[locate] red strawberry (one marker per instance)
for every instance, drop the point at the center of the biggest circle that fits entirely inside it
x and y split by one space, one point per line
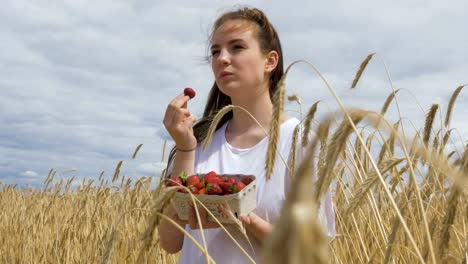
193 180
200 184
213 188
189 92
237 187
174 181
202 191
193 189
213 180
226 186
247 180
230 180
211 177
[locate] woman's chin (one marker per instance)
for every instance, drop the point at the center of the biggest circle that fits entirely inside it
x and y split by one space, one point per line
228 88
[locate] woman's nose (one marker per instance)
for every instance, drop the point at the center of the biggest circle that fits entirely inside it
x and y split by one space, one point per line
223 57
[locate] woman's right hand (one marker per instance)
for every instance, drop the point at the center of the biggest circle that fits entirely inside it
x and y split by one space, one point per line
179 122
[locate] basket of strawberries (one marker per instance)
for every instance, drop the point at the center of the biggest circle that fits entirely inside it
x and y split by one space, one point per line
227 196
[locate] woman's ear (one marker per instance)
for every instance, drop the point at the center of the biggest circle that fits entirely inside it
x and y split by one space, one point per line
271 61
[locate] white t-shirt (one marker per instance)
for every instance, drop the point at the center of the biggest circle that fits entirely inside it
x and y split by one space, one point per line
223 158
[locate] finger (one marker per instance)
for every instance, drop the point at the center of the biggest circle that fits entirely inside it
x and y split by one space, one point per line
251 219
179 116
180 101
192 218
203 218
205 222
245 219
254 219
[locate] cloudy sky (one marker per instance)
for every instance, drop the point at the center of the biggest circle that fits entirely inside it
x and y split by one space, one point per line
84 82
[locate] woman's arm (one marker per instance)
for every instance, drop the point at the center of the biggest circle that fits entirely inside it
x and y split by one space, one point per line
171 238
179 123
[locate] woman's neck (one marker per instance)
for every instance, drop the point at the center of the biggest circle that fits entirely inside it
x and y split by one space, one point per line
260 107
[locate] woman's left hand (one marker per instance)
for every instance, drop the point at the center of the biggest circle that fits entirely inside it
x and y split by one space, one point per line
257 226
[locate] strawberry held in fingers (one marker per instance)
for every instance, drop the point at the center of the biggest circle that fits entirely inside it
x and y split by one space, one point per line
189 92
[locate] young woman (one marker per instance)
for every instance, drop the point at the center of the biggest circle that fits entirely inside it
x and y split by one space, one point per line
247 63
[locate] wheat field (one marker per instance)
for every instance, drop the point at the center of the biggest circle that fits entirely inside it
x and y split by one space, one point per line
400 196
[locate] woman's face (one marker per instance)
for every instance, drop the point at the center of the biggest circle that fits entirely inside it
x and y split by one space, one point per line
239 66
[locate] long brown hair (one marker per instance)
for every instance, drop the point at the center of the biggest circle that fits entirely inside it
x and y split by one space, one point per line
269 41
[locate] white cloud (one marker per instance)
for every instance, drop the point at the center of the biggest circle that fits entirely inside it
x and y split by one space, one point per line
30 174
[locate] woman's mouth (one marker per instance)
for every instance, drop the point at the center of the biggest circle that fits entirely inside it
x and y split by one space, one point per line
225 75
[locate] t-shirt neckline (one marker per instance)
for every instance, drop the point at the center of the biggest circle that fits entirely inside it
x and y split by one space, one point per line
240 150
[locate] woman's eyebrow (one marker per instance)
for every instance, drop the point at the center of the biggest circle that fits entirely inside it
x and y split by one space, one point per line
214 46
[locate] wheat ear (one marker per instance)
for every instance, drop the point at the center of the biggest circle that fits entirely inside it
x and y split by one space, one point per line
453 98
217 118
308 123
369 182
292 153
278 107
428 123
136 151
117 171
337 144
361 69
388 101
297 226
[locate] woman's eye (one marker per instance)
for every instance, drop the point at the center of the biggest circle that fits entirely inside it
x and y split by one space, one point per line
214 52
238 47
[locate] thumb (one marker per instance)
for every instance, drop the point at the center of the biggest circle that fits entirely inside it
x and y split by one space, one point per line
247 219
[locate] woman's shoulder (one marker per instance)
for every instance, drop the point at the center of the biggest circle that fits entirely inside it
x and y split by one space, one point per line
289 123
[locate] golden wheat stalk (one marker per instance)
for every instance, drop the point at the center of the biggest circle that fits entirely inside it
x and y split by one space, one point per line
214 124
295 98
449 218
428 123
451 104
117 171
385 188
389 144
308 123
292 153
136 151
392 238
369 182
336 146
362 67
388 101
297 226
278 108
